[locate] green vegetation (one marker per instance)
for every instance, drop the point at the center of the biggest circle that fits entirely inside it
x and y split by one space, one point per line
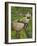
17 13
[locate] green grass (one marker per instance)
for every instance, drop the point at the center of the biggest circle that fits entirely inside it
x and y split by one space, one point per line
13 34
15 11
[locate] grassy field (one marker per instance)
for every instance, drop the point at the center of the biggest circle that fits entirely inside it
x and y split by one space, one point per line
18 13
